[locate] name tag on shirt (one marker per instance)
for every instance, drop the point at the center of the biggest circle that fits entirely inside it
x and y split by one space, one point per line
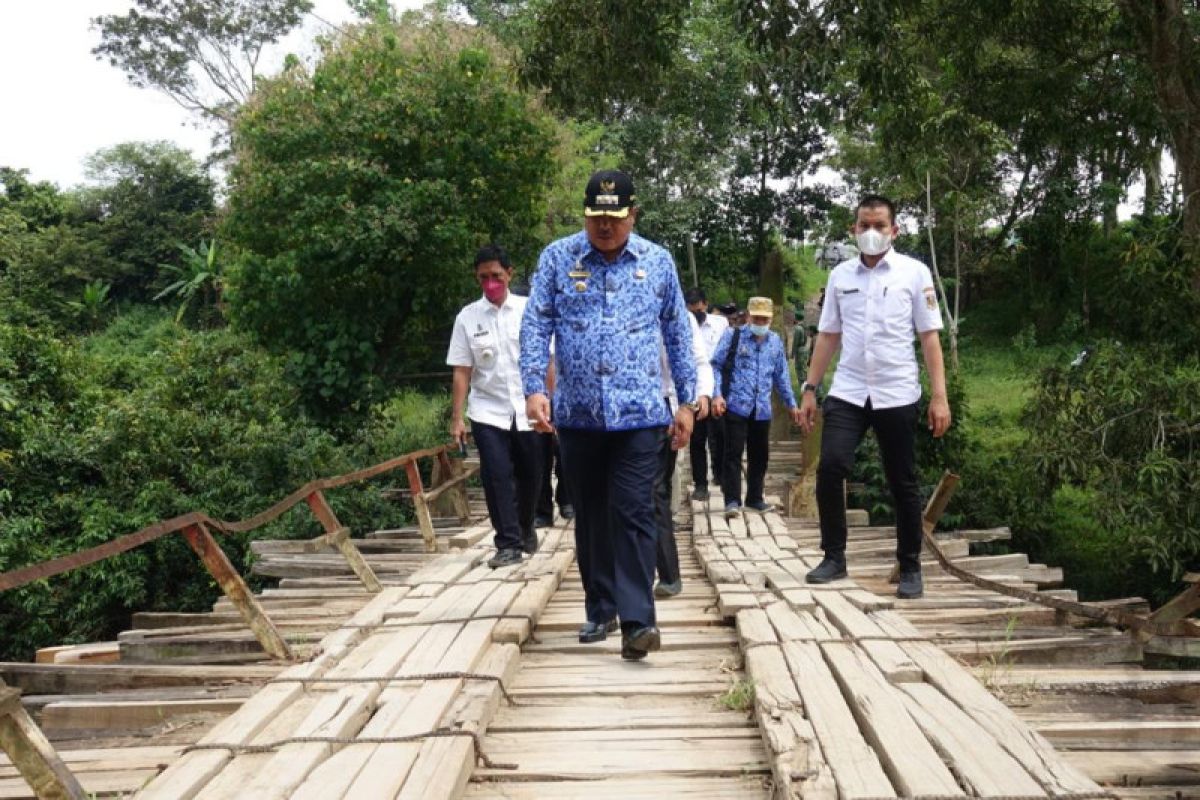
847 291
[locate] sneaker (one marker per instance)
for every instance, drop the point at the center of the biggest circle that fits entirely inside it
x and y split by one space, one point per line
761 506
664 589
505 558
911 587
700 493
733 510
567 512
830 569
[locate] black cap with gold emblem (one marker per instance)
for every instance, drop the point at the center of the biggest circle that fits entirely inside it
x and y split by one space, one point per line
609 193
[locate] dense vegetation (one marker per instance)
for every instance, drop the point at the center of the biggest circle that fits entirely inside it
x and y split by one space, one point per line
170 341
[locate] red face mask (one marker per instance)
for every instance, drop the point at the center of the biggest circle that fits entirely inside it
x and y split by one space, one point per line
494 290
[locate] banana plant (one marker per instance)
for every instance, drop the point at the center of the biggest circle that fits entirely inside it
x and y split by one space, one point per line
199 274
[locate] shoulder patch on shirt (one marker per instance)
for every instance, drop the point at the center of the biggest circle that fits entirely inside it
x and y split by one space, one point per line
930 297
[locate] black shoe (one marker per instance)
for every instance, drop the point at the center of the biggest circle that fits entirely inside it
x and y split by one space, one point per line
567 512
665 590
529 543
700 493
542 521
911 587
505 558
635 645
830 569
592 632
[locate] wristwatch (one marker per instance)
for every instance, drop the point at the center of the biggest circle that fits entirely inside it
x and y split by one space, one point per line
808 387
694 406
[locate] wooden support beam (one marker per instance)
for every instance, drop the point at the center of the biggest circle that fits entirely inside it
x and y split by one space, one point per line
339 537
933 512
424 520
458 497
235 589
32 754
1181 606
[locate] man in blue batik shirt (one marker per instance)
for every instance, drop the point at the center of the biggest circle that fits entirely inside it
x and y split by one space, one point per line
756 365
610 300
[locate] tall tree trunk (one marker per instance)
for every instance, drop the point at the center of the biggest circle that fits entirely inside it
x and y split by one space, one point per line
1152 172
1172 54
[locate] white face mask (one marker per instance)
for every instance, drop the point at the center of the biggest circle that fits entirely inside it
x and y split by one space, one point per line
873 243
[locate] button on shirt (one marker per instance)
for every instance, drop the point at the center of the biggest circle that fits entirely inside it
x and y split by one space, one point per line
876 311
711 331
608 321
758 365
486 338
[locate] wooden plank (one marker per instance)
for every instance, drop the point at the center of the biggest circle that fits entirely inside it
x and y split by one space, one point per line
190 773
985 768
1028 747
798 766
856 769
909 759
896 665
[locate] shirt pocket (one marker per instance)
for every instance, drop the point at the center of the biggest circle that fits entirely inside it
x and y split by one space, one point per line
898 306
484 350
852 304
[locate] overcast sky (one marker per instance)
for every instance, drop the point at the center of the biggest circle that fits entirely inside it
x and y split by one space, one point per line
58 103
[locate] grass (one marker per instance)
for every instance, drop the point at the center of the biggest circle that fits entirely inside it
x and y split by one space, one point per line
998 379
739 696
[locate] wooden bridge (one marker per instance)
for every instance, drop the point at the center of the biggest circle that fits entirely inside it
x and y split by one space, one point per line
446 679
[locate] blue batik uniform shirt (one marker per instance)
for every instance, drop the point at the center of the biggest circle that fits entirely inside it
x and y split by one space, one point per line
607 321
757 366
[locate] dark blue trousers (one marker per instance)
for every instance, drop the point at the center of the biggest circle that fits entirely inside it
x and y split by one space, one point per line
610 478
510 469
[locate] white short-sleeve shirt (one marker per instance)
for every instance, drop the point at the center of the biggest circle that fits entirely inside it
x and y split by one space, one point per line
704 371
877 311
487 339
711 331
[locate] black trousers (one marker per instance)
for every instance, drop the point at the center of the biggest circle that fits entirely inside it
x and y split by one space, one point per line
753 436
845 424
548 495
510 468
709 434
668 550
610 476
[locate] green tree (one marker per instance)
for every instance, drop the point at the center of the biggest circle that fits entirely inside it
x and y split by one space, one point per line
361 189
203 54
145 197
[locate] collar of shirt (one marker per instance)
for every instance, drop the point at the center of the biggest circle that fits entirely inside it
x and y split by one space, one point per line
882 262
634 248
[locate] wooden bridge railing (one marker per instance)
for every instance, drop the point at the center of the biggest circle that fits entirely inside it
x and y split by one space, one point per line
196 528
24 742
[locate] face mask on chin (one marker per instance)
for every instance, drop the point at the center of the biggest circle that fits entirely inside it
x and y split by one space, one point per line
494 290
700 317
873 243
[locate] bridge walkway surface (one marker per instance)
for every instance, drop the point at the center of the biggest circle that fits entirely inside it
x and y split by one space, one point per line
455 680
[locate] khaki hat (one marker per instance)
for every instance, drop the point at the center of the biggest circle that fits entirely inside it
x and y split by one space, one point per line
760 307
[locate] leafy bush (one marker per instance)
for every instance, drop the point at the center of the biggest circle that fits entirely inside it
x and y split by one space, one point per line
145 421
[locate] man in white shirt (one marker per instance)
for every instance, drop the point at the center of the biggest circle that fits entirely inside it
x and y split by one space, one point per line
709 433
873 305
484 352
